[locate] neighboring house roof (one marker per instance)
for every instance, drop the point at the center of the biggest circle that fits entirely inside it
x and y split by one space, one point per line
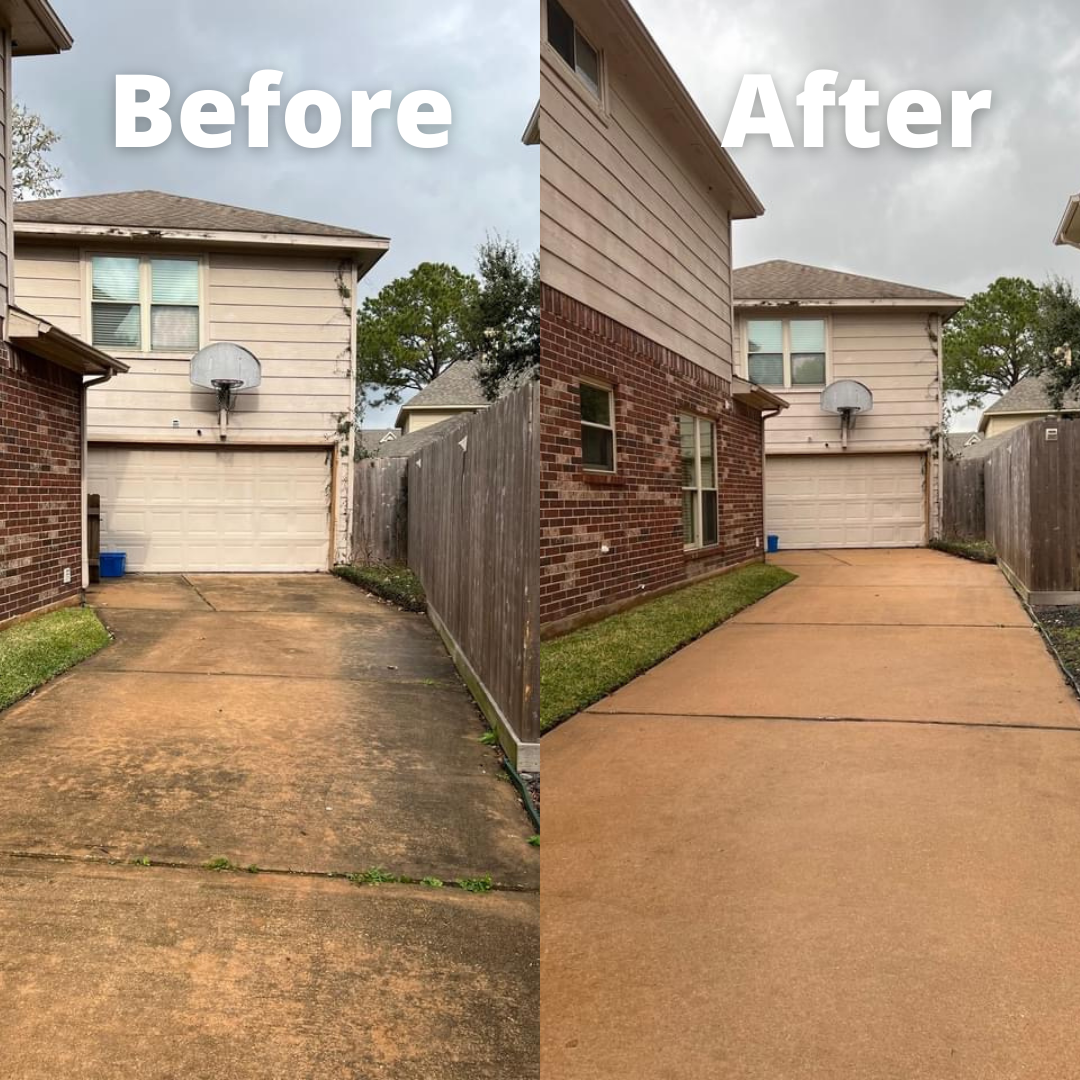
372 438
779 281
36 29
417 440
135 214
1028 397
959 441
1068 231
40 338
456 388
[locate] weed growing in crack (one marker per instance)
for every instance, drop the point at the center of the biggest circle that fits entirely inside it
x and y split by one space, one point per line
475 884
376 875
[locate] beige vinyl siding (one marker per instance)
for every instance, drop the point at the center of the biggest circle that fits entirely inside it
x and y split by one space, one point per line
627 227
998 425
47 284
425 418
891 352
6 188
286 308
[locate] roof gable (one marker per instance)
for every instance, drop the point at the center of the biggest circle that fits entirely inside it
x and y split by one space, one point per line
779 280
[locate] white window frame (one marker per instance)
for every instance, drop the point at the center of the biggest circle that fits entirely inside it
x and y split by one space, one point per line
596 98
145 298
610 391
698 543
786 321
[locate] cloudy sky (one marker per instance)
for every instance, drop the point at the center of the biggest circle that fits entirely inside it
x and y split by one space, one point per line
945 218
435 205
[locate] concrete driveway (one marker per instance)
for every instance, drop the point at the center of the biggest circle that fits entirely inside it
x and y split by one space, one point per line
292 724
834 838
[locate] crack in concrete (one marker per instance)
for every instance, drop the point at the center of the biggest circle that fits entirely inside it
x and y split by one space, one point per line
271 871
195 589
434 684
1009 726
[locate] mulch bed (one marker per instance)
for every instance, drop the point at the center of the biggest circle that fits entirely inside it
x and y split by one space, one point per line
1062 626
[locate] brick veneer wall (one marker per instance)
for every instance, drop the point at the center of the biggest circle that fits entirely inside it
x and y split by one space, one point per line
638 511
40 483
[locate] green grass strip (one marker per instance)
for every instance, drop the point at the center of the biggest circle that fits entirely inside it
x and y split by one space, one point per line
33 652
398 584
579 669
975 550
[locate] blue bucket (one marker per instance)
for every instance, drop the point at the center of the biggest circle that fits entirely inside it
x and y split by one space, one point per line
112 563
772 544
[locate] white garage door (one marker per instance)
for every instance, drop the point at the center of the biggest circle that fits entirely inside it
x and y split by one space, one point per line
861 500
213 510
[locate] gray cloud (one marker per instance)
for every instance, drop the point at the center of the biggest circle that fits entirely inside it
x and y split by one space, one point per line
437 205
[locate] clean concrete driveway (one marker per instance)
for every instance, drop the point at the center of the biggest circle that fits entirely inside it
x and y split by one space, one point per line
836 837
288 723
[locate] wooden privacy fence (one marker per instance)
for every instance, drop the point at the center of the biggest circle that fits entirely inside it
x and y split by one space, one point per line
1033 509
963 499
465 512
380 531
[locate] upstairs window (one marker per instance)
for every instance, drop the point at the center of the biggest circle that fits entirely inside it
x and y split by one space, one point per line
568 41
597 427
788 353
701 519
143 304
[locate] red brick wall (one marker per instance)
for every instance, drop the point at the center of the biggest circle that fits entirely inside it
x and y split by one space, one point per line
40 483
637 512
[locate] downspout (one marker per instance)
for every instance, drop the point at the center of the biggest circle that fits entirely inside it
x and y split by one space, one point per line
97 381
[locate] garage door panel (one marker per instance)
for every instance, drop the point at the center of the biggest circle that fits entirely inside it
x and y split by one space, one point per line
212 510
861 500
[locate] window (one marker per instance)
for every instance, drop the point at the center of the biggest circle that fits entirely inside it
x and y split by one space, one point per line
597 427
145 304
697 440
568 41
786 352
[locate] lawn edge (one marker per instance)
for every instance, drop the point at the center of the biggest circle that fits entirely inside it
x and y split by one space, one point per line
586 704
110 640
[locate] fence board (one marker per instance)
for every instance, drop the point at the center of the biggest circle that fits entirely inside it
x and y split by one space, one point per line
1033 509
963 499
380 525
469 505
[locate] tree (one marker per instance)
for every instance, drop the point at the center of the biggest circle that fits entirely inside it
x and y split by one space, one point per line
506 316
991 343
34 176
1058 339
413 330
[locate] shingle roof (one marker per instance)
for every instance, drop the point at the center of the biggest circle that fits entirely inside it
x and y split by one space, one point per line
159 210
372 438
958 440
417 440
779 279
1029 395
456 387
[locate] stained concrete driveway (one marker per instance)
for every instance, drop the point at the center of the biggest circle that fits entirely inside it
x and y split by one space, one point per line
834 838
286 723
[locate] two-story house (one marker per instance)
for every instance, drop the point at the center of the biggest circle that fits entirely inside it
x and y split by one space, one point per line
44 375
651 445
801 328
151 279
